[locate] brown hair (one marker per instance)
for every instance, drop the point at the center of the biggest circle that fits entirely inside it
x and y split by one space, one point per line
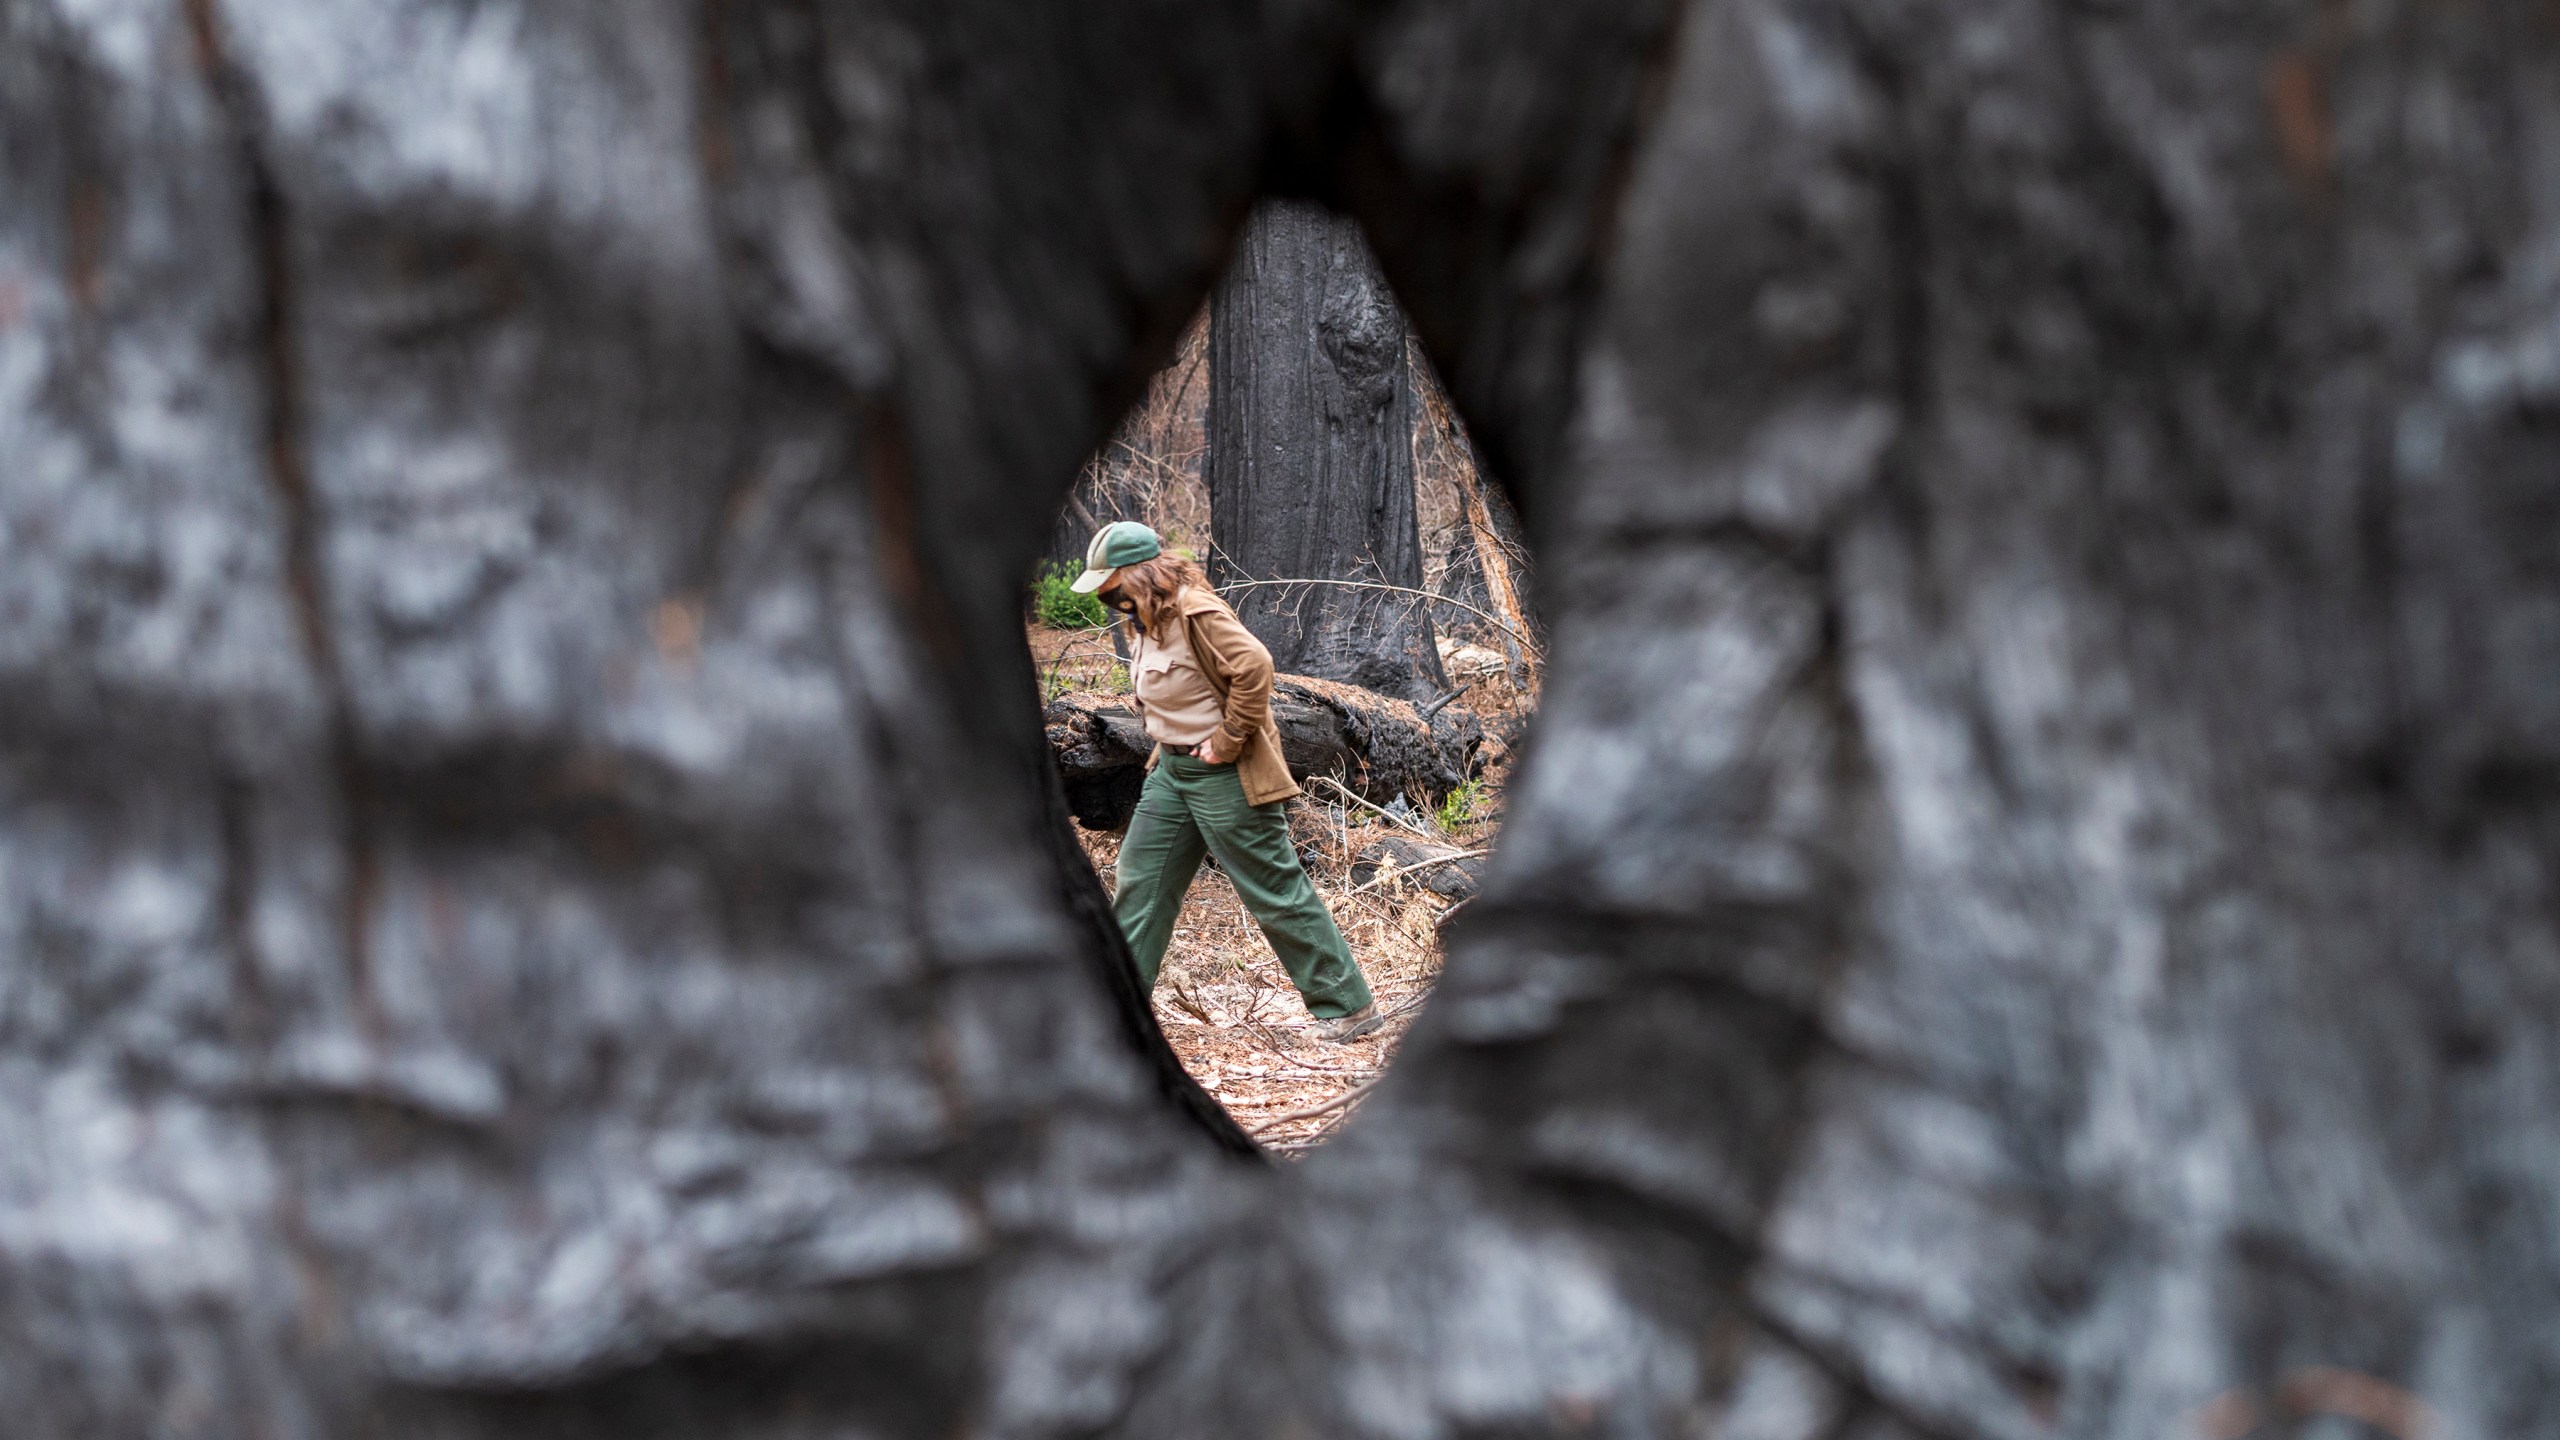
1152 584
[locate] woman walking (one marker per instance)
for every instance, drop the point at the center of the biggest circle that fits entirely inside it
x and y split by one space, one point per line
1217 784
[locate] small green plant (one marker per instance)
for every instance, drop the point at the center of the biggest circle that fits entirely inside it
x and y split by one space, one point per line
1055 603
1460 807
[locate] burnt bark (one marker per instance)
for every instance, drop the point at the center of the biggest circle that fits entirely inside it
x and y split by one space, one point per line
534 902
1310 463
1408 861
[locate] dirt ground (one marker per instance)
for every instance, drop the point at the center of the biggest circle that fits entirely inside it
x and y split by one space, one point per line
1223 1001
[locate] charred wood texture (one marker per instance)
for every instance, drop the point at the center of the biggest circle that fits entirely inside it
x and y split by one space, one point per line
1380 748
1310 464
534 902
1444 870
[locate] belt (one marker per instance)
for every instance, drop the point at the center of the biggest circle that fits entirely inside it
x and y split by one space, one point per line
1187 751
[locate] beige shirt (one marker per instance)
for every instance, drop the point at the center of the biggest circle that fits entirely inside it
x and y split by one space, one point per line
1238 669
1175 701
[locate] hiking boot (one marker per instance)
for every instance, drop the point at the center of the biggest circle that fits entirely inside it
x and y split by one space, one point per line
1345 1029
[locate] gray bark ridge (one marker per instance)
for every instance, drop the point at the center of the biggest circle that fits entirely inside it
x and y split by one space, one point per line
533 899
1310 463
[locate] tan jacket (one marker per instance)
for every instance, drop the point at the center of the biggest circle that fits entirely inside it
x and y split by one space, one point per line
1238 667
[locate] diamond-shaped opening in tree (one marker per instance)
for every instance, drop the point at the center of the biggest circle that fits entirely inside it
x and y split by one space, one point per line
1288 539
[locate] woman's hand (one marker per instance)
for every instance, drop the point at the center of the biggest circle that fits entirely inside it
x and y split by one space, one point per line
1208 751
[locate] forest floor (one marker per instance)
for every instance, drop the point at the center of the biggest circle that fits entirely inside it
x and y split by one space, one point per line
1223 1001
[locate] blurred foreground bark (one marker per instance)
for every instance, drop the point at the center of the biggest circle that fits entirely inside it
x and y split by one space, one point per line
532 901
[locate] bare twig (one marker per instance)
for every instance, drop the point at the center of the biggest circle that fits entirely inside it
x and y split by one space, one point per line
1070 652
1312 1111
1326 1127
1365 902
1183 997
1271 1042
1357 798
1529 648
1409 1006
1258 989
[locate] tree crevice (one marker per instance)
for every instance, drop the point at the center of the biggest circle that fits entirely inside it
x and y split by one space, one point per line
277 345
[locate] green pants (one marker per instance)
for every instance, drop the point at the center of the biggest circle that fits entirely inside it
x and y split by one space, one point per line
1191 808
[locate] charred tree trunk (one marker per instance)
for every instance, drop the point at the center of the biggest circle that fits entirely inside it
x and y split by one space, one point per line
1310 463
533 901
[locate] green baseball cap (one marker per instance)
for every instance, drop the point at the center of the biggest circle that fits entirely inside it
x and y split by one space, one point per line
1122 542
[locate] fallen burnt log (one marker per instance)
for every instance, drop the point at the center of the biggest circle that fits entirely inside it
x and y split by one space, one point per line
1444 870
1380 747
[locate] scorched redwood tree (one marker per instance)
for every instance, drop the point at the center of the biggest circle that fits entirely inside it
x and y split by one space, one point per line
1310 463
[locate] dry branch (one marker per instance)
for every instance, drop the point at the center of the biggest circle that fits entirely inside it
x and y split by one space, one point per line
1347 1097
1528 647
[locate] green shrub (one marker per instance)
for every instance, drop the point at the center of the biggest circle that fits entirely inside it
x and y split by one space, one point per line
1460 807
1055 603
